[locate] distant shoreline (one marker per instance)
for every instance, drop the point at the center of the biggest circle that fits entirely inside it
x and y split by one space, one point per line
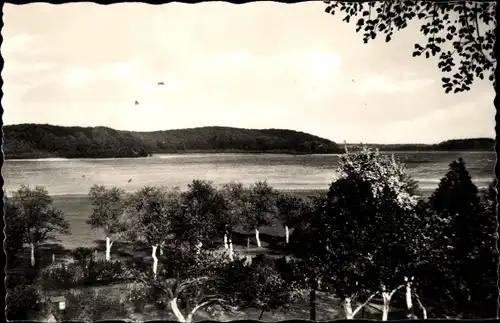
240 152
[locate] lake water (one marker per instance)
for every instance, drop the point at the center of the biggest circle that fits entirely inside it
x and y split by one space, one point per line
303 172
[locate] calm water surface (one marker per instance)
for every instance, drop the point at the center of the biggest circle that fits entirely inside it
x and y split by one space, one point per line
304 172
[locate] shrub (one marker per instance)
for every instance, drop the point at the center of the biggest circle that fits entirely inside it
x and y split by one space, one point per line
21 301
82 254
60 276
139 296
90 305
27 276
103 272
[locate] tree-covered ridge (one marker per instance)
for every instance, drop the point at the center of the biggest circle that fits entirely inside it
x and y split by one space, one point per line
470 144
43 141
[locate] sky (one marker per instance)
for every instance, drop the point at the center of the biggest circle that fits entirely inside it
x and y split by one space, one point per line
257 65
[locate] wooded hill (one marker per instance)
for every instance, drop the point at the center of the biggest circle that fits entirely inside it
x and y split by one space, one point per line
472 144
45 141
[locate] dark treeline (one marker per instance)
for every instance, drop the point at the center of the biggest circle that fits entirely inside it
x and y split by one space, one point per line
43 141
370 240
472 144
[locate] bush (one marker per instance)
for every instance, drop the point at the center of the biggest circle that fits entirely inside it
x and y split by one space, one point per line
21 301
82 254
138 298
60 276
103 272
27 276
90 305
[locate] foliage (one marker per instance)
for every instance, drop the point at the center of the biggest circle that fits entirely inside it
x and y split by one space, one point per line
466 242
82 254
100 272
365 226
260 285
150 212
262 202
460 32
37 219
107 209
237 207
289 208
91 305
202 208
42 140
21 301
14 232
60 276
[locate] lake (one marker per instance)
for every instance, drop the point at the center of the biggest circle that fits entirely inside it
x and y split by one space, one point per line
286 172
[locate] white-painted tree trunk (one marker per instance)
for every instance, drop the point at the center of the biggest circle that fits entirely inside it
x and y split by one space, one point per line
32 246
155 260
409 303
257 238
348 309
231 251
287 234
176 311
225 242
108 248
385 307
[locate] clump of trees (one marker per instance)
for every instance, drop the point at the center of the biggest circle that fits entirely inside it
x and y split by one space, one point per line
370 238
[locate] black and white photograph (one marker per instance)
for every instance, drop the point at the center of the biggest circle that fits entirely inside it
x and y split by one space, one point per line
267 161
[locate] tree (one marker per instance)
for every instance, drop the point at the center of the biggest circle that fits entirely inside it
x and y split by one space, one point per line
467 239
201 205
14 233
359 229
289 208
456 30
237 208
260 285
262 202
197 283
36 213
149 215
107 210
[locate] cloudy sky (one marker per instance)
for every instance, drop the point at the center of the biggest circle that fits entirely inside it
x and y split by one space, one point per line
258 65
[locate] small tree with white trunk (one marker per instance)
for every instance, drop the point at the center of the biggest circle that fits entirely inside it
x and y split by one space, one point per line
195 223
37 216
262 203
149 216
107 211
236 209
289 210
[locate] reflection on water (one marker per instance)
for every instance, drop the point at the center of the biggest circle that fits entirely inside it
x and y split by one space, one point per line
76 176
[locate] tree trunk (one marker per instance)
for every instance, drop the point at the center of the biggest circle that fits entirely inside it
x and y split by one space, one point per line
248 242
176 311
257 238
348 308
108 248
225 242
155 260
32 245
287 235
409 303
231 251
261 313
385 307
312 304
